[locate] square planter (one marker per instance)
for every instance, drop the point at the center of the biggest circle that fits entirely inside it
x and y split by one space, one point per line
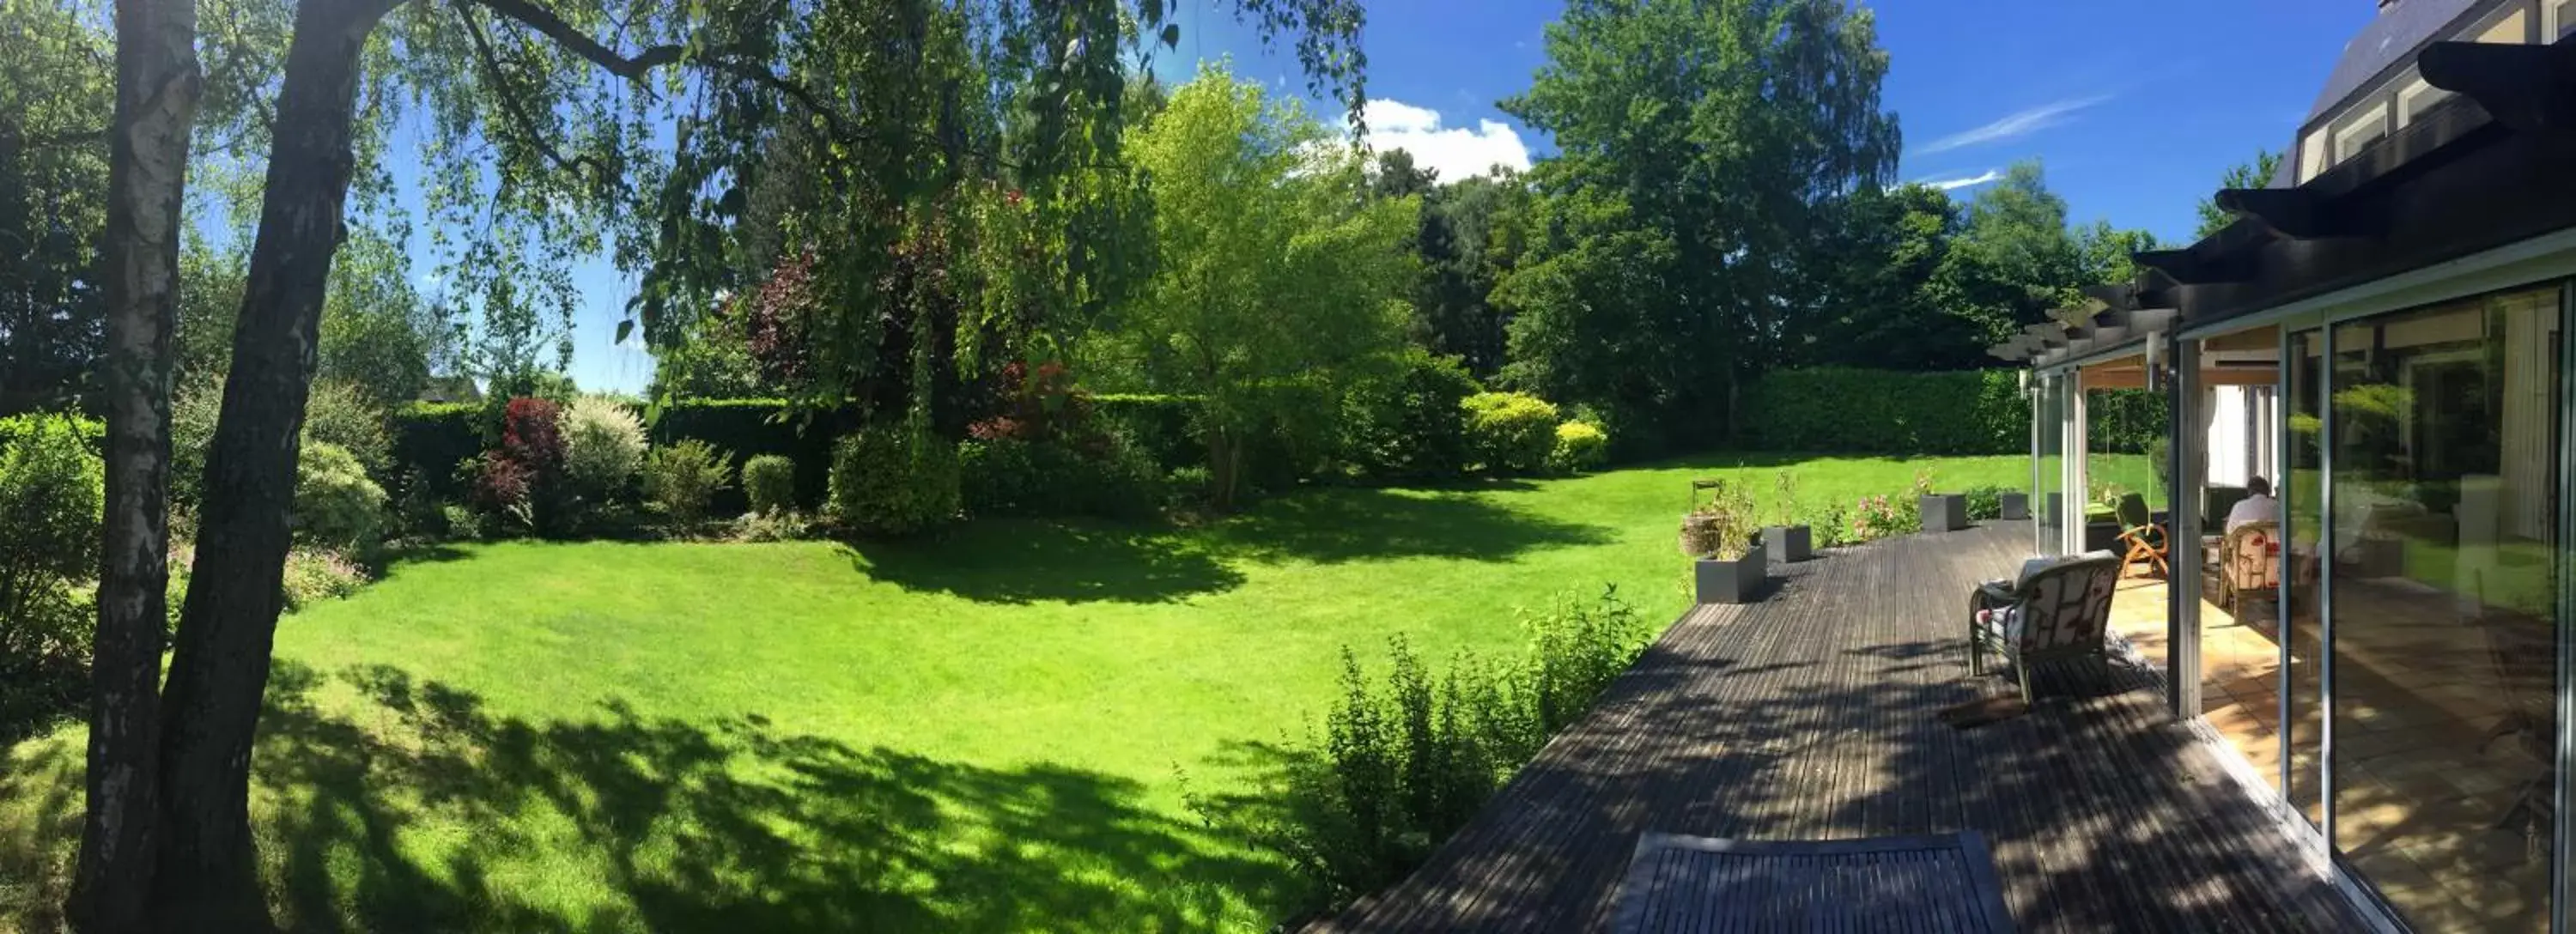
2015 506
1945 512
1735 581
1788 543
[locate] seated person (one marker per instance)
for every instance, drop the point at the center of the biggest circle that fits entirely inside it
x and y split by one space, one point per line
2257 506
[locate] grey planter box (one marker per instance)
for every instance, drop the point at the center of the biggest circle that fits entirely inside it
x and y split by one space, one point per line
1736 581
1788 544
1945 512
2016 505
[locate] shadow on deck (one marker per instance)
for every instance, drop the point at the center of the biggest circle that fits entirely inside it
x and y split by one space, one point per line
1811 715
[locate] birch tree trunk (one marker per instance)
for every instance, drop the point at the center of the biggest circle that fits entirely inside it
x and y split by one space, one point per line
157 87
208 876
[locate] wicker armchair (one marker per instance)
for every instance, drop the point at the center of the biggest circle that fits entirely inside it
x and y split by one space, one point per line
2057 610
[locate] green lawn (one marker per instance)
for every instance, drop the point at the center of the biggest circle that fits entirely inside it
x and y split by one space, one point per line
995 730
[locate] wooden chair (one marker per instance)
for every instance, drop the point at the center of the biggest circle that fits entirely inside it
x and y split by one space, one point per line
2058 610
2145 540
2249 565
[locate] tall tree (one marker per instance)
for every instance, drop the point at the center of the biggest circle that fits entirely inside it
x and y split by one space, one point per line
2014 259
157 87
1279 287
544 121
1709 142
2256 173
55 81
1879 296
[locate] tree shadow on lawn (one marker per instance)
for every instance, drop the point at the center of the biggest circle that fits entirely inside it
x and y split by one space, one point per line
1332 526
431 815
1024 561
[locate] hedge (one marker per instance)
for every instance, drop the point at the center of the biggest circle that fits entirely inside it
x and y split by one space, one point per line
1846 410
431 437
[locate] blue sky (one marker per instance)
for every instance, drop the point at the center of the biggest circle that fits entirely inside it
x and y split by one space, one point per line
2135 108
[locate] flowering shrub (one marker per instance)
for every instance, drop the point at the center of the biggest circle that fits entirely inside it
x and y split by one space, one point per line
317 574
603 445
335 504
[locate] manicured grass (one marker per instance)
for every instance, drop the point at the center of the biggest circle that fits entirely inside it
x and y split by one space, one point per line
995 730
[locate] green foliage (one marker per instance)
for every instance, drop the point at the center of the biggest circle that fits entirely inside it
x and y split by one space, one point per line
1008 476
429 438
1677 230
1160 427
1721 523
314 575
1412 427
603 446
1839 410
342 413
51 496
55 88
1580 446
890 481
769 482
682 478
377 334
2253 174
1985 503
1403 764
1278 287
336 506
1510 432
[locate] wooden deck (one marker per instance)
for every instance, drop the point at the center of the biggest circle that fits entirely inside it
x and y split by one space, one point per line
1811 715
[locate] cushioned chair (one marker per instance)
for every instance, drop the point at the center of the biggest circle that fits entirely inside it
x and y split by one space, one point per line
2058 609
2140 534
2249 565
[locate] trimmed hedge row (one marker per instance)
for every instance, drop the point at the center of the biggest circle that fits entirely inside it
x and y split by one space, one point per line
431 437
1846 410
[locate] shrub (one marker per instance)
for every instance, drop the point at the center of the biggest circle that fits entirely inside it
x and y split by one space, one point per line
195 405
430 437
317 574
1414 426
1040 478
1831 527
1403 765
770 481
887 480
1162 428
783 525
1580 446
532 436
1985 503
603 446
341 413
335 504
683 478
52 495
1510 432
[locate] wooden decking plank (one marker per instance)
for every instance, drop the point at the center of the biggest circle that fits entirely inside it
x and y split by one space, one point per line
1810 715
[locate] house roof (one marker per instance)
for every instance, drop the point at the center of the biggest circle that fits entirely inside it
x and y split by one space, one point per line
2391 38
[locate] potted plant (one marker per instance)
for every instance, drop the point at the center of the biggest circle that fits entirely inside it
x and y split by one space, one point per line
1718 535
2012 505
1786 540
1942 512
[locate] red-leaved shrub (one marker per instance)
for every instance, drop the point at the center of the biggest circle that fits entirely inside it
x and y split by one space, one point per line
501 484
530 436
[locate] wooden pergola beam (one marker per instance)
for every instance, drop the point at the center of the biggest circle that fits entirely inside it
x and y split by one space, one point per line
2187 267
2290 213
2528 88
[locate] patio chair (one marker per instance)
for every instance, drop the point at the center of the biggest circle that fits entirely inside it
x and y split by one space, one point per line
2056 610
2249 565
2139 533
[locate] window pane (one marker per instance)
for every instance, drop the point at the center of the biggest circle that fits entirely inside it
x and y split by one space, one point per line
2301 490
2444 483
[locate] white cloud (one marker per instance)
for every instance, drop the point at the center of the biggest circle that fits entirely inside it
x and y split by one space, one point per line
2013 125
1457 152
1954 184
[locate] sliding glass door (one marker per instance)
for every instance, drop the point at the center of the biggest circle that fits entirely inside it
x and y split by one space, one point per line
2433 528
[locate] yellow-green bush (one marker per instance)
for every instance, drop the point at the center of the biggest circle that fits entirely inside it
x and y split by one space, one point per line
1580 446
1510 432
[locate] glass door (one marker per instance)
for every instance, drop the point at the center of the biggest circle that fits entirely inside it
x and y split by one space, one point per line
2438 552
